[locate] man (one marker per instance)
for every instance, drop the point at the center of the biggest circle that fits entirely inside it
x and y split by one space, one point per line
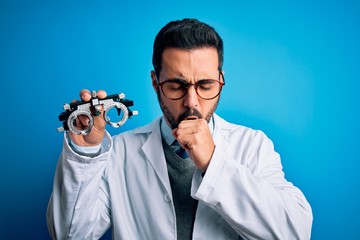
187 175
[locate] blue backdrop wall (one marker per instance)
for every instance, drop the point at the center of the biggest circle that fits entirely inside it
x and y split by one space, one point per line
292 70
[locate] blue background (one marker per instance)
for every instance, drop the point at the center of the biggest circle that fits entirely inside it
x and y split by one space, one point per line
292 70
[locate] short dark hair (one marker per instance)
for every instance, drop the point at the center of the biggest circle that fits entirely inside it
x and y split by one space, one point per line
186 34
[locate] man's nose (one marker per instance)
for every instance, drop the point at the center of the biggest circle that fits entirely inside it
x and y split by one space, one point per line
191 99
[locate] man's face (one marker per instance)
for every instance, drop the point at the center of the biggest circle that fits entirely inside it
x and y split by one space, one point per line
191 66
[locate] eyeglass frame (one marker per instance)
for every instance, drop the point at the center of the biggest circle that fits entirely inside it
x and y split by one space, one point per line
222 83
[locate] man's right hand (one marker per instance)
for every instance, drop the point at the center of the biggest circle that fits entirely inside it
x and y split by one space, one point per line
96 135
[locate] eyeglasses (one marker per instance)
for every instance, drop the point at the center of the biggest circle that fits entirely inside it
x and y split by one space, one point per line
206 89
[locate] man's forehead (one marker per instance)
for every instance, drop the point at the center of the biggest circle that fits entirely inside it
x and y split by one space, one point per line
182 62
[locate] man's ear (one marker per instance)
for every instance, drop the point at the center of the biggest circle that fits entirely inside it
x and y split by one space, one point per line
154 80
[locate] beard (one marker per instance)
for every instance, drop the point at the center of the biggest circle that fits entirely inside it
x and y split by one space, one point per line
175 121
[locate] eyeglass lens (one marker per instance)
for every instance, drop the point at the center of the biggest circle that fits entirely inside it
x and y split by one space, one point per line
206 88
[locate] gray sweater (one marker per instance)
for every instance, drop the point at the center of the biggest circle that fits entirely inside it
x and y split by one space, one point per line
180 175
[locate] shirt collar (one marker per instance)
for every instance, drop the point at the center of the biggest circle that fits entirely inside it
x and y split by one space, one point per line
166 131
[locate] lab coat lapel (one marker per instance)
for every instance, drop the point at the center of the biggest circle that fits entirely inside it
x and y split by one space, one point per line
220 132
154 152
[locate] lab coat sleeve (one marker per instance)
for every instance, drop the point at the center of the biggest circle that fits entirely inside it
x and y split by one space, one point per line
249 190
79 206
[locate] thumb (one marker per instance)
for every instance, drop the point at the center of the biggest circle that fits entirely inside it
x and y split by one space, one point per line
174 133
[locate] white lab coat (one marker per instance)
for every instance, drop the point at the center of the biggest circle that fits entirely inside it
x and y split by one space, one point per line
242 195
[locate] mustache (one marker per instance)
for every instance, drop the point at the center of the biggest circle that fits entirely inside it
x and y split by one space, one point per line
189 112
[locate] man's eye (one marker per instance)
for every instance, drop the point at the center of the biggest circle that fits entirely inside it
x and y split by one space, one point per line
175 86
206 84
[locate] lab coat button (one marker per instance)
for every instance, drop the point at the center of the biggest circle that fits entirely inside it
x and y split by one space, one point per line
167 198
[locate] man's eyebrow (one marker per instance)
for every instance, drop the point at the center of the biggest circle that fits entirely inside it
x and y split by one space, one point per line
184 80
176 79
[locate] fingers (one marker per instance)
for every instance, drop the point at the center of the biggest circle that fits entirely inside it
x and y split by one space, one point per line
101 94
195 137
83 122
193 134
85 94
190 127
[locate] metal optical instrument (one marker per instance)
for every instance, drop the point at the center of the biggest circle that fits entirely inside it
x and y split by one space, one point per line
93 107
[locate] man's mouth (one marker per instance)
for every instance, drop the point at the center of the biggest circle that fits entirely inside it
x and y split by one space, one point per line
191 118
